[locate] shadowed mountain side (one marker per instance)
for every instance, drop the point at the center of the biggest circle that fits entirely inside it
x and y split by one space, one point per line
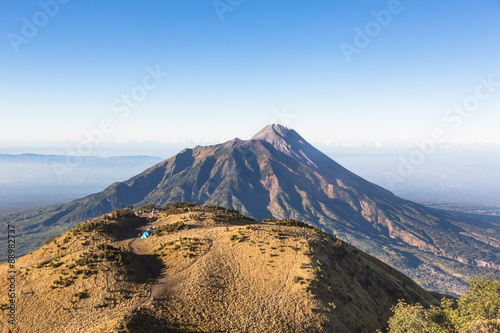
277 173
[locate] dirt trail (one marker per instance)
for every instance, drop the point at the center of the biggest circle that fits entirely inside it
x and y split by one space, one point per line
159 278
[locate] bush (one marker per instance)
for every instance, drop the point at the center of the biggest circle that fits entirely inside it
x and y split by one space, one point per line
478 311
50 240
85 259
64 282
78 296
412 318
89 226
168 228
195 217
146 207
293 223
56 264
111 253
122 214
183 204
43 263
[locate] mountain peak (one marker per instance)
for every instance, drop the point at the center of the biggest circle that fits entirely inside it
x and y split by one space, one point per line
289 142
273 131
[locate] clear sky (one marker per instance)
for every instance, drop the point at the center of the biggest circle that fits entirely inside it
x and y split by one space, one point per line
338 72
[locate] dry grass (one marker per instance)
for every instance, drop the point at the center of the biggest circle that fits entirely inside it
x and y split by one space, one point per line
232 278
211 274
92 297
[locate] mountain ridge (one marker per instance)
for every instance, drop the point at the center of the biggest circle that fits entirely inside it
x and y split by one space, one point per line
202 268
278 173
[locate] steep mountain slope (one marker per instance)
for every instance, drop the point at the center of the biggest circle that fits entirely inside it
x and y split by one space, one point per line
277 173
212 270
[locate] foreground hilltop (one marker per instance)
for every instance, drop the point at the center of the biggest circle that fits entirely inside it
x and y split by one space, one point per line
202 269
279 174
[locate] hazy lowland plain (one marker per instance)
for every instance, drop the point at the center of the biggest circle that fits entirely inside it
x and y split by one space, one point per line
459 179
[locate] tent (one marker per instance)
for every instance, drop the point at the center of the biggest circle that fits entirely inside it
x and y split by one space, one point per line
145 235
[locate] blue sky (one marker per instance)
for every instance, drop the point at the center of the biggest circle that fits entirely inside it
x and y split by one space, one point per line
235 66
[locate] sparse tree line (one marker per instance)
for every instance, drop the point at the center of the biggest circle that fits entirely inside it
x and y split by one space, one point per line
477 311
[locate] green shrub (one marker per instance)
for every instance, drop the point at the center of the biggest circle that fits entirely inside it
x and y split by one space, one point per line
56 264
64 282
102 226
146 207
293 223
43 263
195 217
478 310
85 259
122 214
168 228
50 240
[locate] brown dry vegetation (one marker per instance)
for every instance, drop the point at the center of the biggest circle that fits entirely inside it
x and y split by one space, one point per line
205 270
66 287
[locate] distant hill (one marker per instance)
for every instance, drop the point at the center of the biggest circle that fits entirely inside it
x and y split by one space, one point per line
61 169
203 269
279 174
449 176
35 180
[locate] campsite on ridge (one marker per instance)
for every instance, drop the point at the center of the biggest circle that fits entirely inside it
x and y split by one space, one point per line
203 268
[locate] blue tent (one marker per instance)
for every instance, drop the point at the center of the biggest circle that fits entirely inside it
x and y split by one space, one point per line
145 235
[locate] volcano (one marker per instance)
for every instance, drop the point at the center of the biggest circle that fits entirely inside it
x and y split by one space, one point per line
278 174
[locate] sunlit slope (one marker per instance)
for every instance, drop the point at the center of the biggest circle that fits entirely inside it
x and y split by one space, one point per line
203 269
